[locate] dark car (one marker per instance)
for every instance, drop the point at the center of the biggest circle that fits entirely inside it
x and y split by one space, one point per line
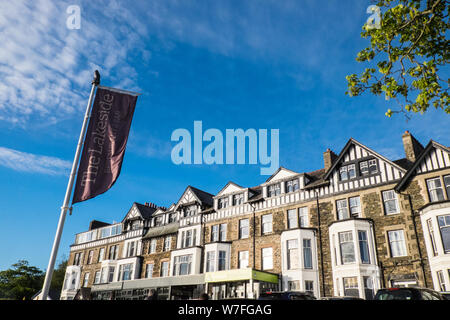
341 298
286 295
408 294
446 295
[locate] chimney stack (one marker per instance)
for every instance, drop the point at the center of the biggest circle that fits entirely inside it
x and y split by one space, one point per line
412 147
328 159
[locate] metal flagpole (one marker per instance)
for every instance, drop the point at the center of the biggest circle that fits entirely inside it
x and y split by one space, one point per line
51 263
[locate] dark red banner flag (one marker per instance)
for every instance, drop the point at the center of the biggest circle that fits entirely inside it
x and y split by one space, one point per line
105 142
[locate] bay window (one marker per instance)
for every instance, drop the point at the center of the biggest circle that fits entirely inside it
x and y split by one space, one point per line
444 227
307 254
292 254
347 247
363 247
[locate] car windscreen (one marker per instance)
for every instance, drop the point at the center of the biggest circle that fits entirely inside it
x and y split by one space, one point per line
399 294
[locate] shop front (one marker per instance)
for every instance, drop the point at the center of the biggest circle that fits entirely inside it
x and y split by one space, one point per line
240 283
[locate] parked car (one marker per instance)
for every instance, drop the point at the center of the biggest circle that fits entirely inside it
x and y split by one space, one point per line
341 298
408 294
286 295
446 295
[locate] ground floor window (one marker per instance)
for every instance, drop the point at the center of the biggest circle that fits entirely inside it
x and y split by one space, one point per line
309 286
351 287
441 281
293 285
368 288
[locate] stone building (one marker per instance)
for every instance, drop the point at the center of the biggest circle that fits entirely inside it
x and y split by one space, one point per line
360 223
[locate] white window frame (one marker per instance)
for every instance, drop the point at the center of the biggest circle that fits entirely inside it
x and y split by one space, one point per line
390 195
351 207
292 254
215 233
267 258
244 235
432 237
238 199
307 253
400 249
149 267
164 272
346 237
210 261
167 243
303 218
292 185
444 222
266 223
243 259
86 279
340 207
433 189
292 218
274 190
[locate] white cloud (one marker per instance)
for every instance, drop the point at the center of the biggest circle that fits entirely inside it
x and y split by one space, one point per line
46 68
28 162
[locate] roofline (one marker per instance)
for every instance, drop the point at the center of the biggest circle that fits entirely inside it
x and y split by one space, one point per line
278 170
229 182
410 172
347 145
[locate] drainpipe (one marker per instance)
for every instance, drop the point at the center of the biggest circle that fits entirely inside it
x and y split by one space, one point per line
380 264
413 216
320 244
254 236
202 244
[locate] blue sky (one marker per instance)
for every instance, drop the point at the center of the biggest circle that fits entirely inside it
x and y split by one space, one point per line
231 64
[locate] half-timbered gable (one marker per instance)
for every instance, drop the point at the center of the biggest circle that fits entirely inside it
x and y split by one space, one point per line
434 157
360 167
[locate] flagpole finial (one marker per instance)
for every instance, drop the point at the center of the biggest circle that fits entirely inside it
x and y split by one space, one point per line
96 79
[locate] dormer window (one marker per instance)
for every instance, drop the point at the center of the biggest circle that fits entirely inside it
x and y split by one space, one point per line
172 217
158 221
273 190
223 203
135 225
292 185
238 199
190 211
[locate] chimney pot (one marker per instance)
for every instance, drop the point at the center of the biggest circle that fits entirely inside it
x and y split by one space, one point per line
412 147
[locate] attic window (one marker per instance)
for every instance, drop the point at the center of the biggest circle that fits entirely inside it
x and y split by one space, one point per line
158 221
274 190
368 167
238 199
292 185
172 217
135 225
347 172
223 203
190 211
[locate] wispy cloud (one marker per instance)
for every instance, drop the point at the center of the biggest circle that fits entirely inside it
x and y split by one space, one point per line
46 68
28 162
